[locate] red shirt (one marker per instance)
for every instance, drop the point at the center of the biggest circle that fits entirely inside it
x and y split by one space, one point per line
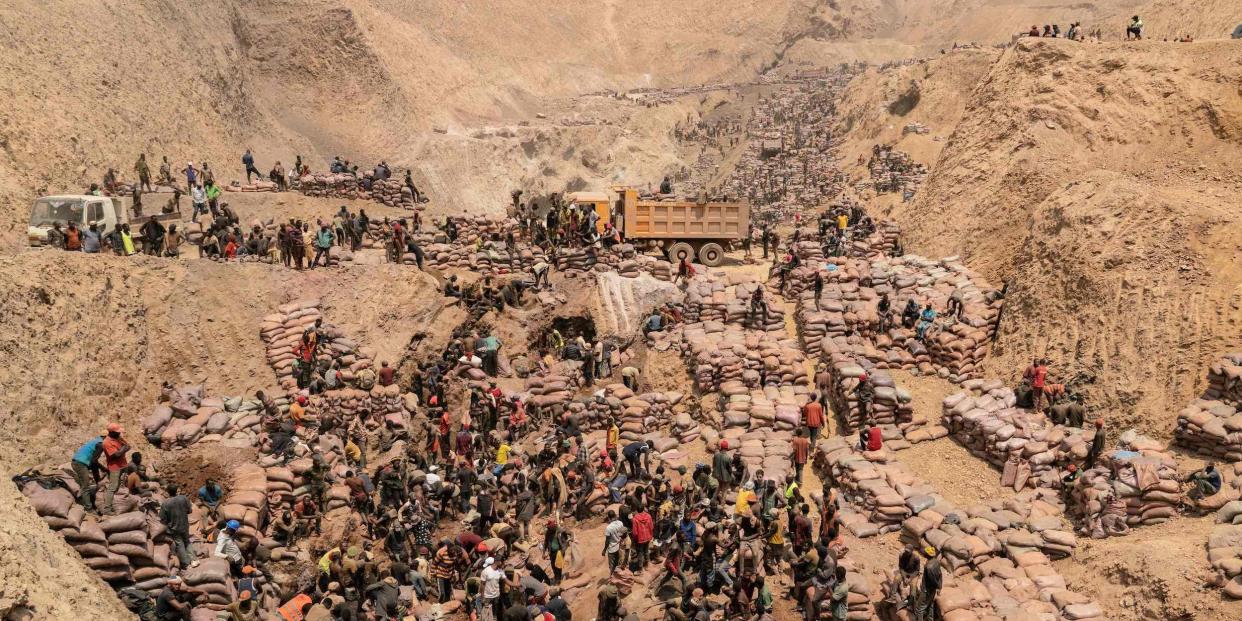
801 449
114 453
814 413
875 439
386 375
642 527
1041 376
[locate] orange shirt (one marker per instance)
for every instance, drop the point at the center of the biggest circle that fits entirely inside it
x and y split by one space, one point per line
801 449
114 453
814 414
292 610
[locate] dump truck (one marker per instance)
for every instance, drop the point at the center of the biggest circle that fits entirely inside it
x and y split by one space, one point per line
682 229
106 212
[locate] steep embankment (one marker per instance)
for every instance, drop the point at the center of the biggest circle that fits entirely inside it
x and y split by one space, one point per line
879 103
1101 181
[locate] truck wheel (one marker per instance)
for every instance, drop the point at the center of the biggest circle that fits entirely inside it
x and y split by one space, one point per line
679 251
711 255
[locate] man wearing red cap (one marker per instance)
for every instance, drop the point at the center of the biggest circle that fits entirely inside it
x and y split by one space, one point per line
114 449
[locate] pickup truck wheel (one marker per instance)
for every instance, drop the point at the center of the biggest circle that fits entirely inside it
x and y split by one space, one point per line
679 251
711 255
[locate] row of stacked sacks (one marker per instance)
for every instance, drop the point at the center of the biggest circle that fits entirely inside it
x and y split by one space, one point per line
1225 379
719 353
891 405
637 415
1211 427
1141 488
391 192
184 416
1024 587
1224 545
132 548
846 307
727 300
984 419
761 449
382 403
768 407
283 330
258 185
881 494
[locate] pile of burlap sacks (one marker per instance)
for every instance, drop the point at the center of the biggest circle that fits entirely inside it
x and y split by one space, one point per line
1212 425
761 448
767 407
391 192
1026 445
883 493
1142 489
1024 587
282 331
719 353
1224 545
186 417
726 300
549 390
847 308
132 547
1225 379
127 549
384 403
258 185
891 405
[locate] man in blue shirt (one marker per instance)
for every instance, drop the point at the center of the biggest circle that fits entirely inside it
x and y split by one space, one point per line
86 470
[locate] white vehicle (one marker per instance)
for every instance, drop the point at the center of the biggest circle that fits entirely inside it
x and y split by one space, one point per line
105 212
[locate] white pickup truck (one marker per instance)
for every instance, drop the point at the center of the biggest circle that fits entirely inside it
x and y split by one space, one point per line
106 212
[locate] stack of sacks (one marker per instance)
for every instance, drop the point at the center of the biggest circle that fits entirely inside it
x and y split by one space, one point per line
885 493
1225 543
1211 427
1148 485
761 450
1225 553
1031 450
246 500
491 257
737 310
283 330
769 407
211 575
889 406
392 192
189 418
142 539
686 428
383 402
879 244
57 508
645 413
258 185
848 306
1225 379
550 390
720 352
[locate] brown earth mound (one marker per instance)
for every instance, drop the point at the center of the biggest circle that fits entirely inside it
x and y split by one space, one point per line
1099 180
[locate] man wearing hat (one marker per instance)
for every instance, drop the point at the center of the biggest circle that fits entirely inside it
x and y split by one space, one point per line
115 448
384 596
227 548
489 608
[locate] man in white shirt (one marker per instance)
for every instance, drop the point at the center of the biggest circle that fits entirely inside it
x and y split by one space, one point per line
613 534
491 578
226 545
198 197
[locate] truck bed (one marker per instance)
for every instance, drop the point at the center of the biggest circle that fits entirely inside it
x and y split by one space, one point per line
686 220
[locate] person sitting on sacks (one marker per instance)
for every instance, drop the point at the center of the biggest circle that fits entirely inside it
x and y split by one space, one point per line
910 314
1204 483
227 548
926 320
870 438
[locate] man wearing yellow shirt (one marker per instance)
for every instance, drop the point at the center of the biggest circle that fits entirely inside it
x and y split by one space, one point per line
502 453
614 438
745 496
